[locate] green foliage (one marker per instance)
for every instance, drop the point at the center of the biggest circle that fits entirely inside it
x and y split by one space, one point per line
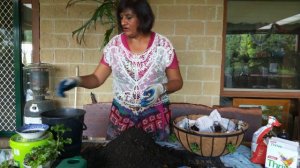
40 155
8 164
104 13
194 147
275 111
287 70
256 50
172 138
230 147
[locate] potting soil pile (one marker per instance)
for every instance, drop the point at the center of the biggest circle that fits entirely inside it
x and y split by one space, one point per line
135 149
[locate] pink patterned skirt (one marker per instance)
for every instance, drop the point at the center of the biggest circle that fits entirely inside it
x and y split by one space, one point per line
154 121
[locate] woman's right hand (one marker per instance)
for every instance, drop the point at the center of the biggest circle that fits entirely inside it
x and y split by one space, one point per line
66 84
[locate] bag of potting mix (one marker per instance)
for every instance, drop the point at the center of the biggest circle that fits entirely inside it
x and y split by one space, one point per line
260 141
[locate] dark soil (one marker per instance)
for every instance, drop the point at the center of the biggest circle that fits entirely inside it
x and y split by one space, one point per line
136 149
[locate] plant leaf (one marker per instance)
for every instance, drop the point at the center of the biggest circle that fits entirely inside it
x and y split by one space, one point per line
104 14
194 147
230 147
73 2
107 35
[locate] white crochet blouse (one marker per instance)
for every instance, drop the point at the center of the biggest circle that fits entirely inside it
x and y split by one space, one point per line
133 72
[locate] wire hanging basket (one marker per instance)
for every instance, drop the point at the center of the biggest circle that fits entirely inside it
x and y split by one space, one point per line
208 144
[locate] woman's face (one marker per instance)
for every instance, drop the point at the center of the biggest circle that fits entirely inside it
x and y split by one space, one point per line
129 23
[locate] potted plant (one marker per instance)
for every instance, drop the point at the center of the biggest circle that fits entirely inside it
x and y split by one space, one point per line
43 156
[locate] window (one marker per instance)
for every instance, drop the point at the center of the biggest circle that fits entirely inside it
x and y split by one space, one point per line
30 31
262 50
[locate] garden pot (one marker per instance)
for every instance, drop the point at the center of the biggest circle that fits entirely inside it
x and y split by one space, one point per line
71 118
21 147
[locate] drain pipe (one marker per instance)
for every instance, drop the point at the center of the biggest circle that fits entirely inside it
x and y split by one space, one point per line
75 96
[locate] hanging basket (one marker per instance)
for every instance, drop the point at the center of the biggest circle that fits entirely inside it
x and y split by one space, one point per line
205 143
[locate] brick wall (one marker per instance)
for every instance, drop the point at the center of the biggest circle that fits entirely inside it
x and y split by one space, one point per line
194 27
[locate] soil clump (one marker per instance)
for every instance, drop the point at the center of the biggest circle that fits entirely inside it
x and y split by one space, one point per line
136 149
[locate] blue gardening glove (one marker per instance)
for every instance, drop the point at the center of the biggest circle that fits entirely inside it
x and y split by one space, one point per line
151 94
66 84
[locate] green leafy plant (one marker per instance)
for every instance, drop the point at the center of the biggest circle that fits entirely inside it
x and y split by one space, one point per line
41 155
230 147
194 147
104 13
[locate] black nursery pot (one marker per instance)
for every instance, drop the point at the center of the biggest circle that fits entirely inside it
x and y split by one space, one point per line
71 118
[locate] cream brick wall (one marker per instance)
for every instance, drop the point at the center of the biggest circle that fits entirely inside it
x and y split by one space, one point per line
194 27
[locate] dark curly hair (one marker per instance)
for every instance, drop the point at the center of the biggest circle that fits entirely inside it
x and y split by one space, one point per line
143 12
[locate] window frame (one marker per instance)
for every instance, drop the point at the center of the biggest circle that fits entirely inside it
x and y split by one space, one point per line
35 29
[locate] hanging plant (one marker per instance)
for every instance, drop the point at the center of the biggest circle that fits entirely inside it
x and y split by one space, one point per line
104 13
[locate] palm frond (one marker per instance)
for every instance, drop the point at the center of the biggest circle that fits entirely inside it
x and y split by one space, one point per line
73 2
105 14
107 35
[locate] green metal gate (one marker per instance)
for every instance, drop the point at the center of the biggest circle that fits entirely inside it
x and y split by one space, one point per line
11 70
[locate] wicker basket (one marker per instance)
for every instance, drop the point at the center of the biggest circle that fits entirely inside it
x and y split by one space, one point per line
208 144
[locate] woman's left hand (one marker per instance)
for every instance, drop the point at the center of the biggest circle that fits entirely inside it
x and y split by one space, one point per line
151 94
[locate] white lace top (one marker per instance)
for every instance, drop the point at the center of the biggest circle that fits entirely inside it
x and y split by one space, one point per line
133 73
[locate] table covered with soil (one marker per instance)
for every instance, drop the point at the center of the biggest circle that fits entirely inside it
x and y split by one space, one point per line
136 149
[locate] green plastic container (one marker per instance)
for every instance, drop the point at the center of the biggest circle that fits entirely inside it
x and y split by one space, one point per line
74 162
20 146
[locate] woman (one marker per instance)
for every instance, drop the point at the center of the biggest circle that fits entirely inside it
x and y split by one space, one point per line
145 70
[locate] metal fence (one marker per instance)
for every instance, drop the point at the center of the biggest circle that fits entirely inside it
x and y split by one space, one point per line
7 65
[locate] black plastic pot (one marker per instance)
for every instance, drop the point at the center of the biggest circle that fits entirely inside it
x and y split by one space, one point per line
71 118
